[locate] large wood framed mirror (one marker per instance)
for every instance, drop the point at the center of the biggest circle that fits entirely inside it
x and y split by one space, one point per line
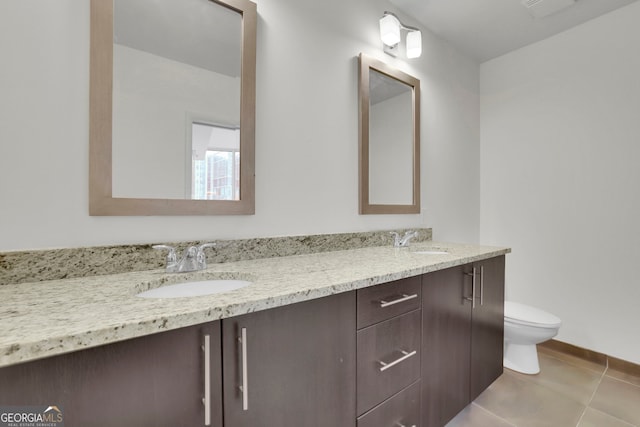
389 139
172 107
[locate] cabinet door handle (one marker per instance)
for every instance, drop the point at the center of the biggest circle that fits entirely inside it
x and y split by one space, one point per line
206 400
403 298
244 388
402 425
482 285
473 288
405 355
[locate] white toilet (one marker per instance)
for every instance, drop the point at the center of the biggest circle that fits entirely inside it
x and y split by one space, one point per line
524 327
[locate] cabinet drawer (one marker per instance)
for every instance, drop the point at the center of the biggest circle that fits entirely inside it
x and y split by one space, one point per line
388 359
382 302
403 409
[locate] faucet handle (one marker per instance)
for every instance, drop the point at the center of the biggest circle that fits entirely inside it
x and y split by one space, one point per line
171 256
400 242
205 245
202 258
396 238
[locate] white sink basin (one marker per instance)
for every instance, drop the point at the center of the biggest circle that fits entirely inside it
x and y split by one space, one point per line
433 252
194 289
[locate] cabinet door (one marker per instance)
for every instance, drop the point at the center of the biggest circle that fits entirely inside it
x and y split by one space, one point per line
446 329
487 332
295 366
157 380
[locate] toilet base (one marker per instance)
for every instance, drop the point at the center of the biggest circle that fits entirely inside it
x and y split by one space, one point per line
521 358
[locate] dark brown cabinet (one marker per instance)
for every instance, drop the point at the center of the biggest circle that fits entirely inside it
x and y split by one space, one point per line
388 345
156 380
292 366
296 364
462 336
446 345
423 346
487 326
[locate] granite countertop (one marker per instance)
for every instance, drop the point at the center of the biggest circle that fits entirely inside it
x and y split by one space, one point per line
41 319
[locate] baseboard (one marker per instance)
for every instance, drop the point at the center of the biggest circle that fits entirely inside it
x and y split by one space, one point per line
579 352
624 366
602 359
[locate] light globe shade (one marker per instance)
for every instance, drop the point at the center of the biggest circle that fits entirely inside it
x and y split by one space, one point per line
390 30
414 44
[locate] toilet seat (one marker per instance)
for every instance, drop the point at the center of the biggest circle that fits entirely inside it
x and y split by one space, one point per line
522 314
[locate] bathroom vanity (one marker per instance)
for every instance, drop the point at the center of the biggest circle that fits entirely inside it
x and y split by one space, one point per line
366 337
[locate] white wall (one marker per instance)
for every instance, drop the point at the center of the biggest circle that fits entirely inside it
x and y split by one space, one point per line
306 126
560 146
391 150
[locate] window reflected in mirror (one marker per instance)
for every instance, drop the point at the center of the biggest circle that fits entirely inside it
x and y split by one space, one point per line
215 162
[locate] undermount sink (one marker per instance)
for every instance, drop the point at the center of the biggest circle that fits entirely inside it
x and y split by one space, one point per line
195 288
431 252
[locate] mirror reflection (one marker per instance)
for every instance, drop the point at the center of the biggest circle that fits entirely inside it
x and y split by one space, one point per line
176 77
389 106
172 107
390 140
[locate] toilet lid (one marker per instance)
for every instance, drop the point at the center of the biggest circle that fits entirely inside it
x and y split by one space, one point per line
524 314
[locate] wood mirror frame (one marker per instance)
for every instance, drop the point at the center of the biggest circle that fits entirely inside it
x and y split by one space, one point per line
366 64
101 200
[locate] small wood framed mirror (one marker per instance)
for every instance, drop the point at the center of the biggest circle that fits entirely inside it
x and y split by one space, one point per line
389 139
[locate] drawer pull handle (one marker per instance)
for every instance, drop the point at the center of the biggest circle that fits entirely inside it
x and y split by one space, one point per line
403 298
402 425
405 356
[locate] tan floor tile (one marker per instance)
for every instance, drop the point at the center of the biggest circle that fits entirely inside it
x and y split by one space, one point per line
624 377
526 404
576 361
618 398
573 381
475 416
594 418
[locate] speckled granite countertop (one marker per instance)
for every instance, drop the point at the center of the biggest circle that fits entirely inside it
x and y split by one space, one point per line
41 319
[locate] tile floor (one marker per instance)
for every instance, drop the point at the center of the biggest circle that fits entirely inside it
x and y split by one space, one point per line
568 392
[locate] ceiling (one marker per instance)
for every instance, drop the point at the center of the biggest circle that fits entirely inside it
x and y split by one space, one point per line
383 87
200 33
485 29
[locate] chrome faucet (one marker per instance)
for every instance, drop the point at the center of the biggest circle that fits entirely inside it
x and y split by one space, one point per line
402 242
193 258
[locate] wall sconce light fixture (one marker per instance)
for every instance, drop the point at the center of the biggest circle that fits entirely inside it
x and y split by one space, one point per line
390 34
